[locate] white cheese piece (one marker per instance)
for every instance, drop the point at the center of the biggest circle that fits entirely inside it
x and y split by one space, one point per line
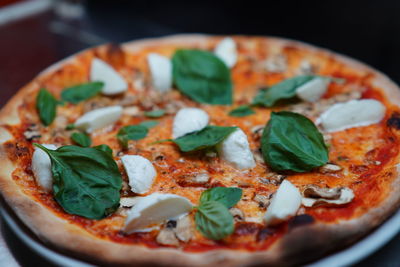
189 120
128 202
284 204
161 71
313 90
140 171
346 196
351 114
114 83
98 118
227 52
41 167
154 209
235 149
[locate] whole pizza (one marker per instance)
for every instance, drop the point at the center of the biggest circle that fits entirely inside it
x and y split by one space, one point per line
196 150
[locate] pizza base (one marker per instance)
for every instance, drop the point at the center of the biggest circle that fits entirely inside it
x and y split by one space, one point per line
300 245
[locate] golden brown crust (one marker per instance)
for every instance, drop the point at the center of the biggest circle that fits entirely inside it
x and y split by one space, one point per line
299 245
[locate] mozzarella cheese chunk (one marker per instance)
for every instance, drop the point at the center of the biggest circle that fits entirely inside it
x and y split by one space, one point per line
351 114
140 171
154 209
114 83
161 71
189 120
98 118
235 149
227 52
313 90
41 167
284 204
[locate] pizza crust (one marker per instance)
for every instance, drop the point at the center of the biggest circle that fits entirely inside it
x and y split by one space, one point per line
300 245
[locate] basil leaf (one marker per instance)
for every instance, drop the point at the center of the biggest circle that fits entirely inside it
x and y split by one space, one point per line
202 76
148 124
46 106
104 148
228 196
81 139
81 92
70 126
283 90
206 138
155 113
291 141
241 111
87 181
131 132
214 220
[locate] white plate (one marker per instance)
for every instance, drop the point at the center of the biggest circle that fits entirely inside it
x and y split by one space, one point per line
349 256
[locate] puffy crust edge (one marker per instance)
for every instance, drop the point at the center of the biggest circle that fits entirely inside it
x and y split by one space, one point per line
301 244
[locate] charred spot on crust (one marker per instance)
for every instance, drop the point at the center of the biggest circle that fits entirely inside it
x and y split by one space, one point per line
246 228
300 220
264 233
394 121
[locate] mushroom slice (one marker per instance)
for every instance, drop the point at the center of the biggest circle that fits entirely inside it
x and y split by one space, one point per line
184 229
314 195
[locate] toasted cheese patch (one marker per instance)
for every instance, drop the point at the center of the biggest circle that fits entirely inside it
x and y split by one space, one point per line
354 113
114 83
154 209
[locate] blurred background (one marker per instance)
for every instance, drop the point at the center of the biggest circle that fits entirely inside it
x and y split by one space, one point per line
36 33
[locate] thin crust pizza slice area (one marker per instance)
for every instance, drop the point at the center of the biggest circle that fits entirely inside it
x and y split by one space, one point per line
244 195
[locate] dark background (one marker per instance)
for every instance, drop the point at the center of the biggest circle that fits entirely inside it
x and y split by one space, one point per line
366 30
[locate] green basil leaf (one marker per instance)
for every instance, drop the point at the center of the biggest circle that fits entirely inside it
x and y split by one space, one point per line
155 113
214 220
104 148
291 141
205 138
131 132
87 181
283 90
81 92
149 124
241 111
202 76
228 196
81 139
70 126
46 106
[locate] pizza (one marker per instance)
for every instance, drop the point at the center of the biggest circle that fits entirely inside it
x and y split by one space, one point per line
197 150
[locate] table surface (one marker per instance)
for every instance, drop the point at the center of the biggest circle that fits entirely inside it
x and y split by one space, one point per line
30 44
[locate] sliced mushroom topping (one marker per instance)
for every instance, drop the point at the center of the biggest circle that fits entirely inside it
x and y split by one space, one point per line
263 201
306 68
195 179
273 178
167 237
276 63
32 132
328 168
237 214
314 195
184 229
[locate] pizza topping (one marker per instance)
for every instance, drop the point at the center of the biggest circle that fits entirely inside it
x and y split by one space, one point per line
209 137
155 113
86 181
128 202
98 118
140 171
313 90
105 148
32 132
227 52
81 92
284 204
354 113
276 63
114 83
242 111
189 120
46 106
131 132
235 149
202 76
161 71
306 68
263 201
291 141
41 168
194 179
184 228
314 195
328 168
81 139
237 214
154 209
167 237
